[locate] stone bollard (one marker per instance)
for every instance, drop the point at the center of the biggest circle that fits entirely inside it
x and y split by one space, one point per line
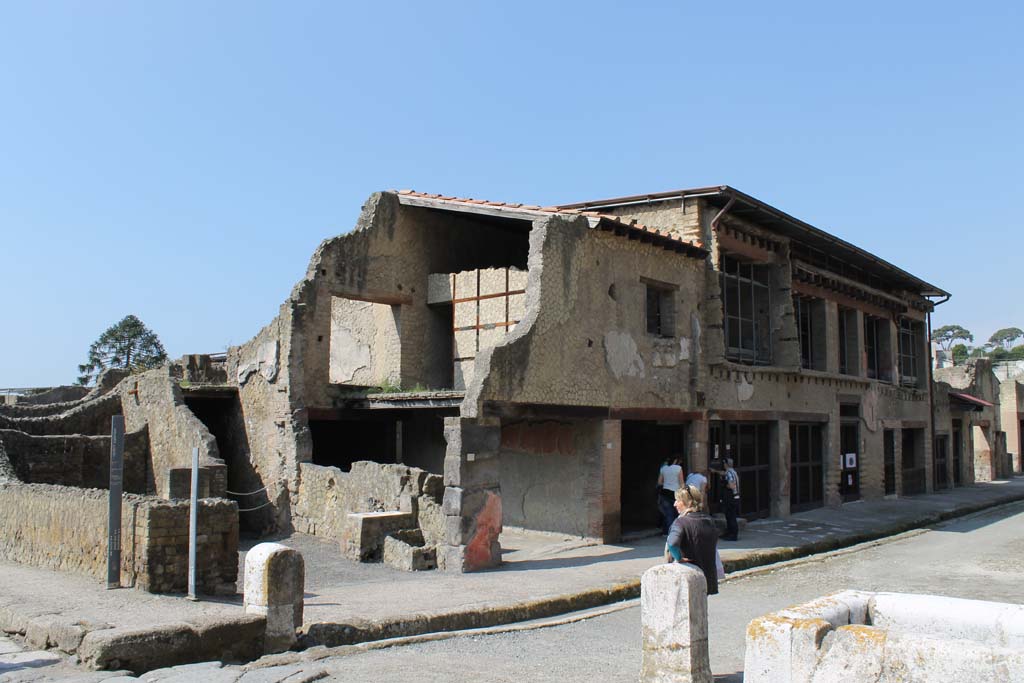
674 618
275 578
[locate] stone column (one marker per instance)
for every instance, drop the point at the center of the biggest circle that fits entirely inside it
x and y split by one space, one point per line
780 462
889 357
855 343
833 471
927 453
831 338
472 495
674 622
275 587
699 455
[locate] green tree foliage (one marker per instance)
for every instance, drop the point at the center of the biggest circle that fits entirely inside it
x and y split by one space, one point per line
128 345
1005 337
960 353
947 335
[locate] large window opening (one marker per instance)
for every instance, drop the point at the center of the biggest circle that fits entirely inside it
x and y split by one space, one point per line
806 482
877 356
810 322
746 308
848 361
413 437
910 342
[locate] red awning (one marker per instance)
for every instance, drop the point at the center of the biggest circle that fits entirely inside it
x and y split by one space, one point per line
974 400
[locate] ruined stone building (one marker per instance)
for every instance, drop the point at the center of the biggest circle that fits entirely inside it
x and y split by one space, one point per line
453 366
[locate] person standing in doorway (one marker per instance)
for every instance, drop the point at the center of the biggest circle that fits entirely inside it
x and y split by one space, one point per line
730 500
670 478
699 481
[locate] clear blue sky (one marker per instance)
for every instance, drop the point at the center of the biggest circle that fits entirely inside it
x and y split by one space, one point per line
181 161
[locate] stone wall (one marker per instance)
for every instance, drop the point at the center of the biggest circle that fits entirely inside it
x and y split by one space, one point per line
88 417
65 529
326 497
54 395
274 423
82 461
153 399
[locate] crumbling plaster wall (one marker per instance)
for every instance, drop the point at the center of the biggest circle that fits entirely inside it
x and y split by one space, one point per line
272 416
154 400
551 476
584 340
326 496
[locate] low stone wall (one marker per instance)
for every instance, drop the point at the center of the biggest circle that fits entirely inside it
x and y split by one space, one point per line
89 417
81 461
65 529
858 636
327 496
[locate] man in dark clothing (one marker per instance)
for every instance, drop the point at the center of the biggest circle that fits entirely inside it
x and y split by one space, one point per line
730 501
693 537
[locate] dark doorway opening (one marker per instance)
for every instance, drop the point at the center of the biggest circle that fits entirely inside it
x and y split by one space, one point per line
941 468
889 446
912 462
849 451
958 451
806 473
646 445
222 415
749 445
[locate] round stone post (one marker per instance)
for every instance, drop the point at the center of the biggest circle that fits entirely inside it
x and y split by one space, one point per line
674 617
275 578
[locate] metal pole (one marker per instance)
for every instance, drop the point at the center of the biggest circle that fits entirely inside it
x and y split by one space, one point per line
114 505
192 524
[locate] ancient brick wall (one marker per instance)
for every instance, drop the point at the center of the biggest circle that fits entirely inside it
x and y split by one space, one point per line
65 529
89 417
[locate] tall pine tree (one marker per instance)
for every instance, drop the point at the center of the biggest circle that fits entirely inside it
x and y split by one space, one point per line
128 345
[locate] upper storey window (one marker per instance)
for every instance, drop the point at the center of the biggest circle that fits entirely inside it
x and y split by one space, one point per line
746 309
660 310
910 351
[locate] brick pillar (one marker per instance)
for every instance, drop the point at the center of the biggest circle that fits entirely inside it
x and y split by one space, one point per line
780 461
929 463
472 495
831 337
699 455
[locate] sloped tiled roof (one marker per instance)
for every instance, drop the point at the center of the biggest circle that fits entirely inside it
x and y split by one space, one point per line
620 226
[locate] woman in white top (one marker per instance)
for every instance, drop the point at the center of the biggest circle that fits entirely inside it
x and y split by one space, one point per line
670 478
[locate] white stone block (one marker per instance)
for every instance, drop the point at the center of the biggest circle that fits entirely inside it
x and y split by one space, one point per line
674 618
274 587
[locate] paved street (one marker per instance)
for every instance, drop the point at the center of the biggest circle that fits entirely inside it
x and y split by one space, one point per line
981 556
